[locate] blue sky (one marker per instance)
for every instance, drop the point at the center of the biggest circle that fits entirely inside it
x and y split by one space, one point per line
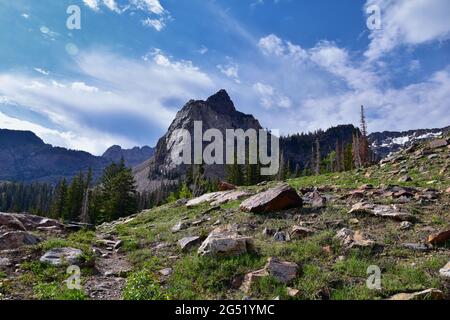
296 65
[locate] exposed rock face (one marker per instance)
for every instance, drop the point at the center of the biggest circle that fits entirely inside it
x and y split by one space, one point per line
429 294
25 157
17 239
279 198
27 222
299 232
61 256
225 241
216 112
383 211
132 157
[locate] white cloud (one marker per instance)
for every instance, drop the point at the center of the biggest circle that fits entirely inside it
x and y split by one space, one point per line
411 22
231 70
203 50
25 15
41 71
157 24
93 4
272 45
270 98
136 89
153 6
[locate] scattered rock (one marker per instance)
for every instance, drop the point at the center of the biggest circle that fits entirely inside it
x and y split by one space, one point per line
225 186
59 256
17 239
188 243
282 271
429 294
315 199
218 198
350 239
299 232
11 222
281 236
383 211
353 221
5 262
445 271
293 293
448 190
166 272
406 225
118 244
225 241
180 226
417 246
437 143
439 238
268 232
279 198
405 178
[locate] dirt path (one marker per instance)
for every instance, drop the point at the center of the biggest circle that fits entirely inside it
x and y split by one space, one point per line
111 268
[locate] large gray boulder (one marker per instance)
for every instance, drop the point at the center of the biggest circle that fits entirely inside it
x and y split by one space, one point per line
17 239
225 241
60 256
279 198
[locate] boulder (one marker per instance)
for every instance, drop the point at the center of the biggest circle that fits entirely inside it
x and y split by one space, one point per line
429 294
5 262
11 222
350 239
383 211
437 143
218 198
315 199
17 239
188 243
418 246
445 271
405 178
298 232
282 271
225 186
439 238
448 190
406 225
281 236
180 226
225 241
59 256
279 198
166 272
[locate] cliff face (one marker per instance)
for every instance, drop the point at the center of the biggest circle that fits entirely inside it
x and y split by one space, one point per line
217 112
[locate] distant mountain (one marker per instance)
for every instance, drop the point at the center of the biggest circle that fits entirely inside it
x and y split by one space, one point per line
132 157
25 157
218 112
387 142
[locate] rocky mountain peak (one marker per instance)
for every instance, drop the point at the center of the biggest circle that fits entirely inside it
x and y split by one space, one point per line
221 102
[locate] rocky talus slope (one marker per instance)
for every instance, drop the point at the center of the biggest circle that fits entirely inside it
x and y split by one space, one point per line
306 238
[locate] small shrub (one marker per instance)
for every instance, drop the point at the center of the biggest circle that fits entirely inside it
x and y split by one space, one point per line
142 285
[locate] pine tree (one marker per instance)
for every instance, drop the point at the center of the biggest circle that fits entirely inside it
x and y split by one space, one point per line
59 203
317 158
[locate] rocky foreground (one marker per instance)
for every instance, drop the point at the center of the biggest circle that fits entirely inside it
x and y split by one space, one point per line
307 238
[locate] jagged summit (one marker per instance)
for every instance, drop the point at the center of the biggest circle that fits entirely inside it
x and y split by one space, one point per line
221 102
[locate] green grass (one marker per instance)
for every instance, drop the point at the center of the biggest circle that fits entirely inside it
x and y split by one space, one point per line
143 285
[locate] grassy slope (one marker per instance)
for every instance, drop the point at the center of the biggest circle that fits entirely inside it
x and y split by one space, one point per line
336 274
